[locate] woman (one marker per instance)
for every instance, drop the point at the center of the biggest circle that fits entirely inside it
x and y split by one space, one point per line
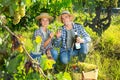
47 36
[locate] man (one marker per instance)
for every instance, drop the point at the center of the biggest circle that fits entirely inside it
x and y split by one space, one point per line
65 38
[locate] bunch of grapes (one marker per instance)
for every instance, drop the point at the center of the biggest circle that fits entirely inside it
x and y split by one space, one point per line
22 10
17 18
16 44
19 14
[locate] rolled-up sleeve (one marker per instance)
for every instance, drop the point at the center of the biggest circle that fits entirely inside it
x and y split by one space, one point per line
84 34
36 33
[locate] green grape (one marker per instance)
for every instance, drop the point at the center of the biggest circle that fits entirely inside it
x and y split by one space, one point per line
17 18
22 10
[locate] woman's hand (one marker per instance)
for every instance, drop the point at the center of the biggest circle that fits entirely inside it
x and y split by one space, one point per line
51 35
49 39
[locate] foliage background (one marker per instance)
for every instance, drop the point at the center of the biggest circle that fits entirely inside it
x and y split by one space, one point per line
105 51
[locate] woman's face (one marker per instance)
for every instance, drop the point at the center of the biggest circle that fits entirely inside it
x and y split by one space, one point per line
44 22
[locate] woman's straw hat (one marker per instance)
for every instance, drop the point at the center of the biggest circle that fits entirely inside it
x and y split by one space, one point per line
66 12
44 15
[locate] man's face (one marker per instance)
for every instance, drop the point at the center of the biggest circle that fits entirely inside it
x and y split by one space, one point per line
44 22
66 19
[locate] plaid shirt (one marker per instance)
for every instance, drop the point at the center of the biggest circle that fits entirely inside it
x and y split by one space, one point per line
40 33
80 31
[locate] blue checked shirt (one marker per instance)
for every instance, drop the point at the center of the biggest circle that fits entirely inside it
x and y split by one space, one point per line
80 31
40 33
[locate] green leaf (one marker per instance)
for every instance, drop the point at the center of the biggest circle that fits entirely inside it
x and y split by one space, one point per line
43 60
28 3
11 11
6 2
67 76
59 76
14 63
33 76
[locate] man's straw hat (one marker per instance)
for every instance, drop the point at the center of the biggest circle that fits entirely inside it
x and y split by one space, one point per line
66 12
44 15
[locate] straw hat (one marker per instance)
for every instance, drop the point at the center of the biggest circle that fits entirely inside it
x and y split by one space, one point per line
44 15
66 12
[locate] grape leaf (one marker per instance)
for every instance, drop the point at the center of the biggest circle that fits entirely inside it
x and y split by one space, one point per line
14 63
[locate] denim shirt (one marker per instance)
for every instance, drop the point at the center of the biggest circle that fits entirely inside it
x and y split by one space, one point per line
80 31
39 32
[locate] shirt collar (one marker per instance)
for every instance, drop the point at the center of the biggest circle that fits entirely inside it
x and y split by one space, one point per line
42 30
73 24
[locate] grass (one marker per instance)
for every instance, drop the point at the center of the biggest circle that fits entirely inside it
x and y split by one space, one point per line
109 68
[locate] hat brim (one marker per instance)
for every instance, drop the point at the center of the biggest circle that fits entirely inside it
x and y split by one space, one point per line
72 17
40 17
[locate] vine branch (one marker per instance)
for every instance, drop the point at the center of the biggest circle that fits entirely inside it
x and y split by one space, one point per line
30 58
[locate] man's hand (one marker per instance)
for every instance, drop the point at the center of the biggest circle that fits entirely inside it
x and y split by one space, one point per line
79 40
58 34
